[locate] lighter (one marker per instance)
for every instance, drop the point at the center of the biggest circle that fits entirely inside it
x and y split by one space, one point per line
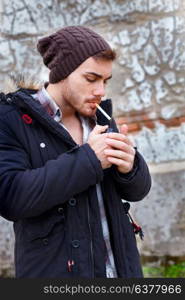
109 129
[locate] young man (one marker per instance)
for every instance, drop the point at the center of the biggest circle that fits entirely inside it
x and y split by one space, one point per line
63 177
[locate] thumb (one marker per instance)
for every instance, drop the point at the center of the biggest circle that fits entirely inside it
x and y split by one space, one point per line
99 129
124 129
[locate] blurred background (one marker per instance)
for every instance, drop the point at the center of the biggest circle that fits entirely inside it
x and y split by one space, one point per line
148 93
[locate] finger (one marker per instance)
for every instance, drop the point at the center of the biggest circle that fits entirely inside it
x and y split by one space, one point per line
124 129
124 166
99 129
120 137
119 154
120 145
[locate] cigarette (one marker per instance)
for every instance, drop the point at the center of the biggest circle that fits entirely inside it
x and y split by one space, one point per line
103 112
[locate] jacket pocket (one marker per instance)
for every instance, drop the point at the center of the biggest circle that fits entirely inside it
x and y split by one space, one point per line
44 225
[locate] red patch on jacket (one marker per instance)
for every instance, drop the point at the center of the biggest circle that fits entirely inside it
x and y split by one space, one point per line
27 119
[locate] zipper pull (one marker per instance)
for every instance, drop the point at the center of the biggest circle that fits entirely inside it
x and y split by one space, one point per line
70 265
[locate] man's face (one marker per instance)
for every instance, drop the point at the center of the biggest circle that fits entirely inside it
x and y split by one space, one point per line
86 86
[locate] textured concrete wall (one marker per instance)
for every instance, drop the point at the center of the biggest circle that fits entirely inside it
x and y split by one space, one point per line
6 249
147 89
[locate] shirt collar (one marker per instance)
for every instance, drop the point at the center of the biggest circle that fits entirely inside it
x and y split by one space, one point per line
49 104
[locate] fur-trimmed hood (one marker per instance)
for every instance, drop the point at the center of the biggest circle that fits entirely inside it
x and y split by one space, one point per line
12 83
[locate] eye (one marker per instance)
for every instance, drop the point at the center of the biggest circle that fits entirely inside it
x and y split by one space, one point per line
90 79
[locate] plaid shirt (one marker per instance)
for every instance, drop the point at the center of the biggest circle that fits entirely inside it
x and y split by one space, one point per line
54 111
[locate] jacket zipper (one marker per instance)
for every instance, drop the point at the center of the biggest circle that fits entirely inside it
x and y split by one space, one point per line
91 244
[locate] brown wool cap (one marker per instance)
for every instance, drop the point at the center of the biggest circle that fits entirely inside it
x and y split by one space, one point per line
66 49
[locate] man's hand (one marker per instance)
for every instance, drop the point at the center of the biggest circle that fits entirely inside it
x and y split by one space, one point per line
97 141
122 153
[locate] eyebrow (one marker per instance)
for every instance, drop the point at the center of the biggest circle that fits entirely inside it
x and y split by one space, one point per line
98 75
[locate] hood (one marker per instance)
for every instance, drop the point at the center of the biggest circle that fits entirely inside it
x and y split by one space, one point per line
12 83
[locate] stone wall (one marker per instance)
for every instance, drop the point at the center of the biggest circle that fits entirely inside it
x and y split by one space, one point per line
147 89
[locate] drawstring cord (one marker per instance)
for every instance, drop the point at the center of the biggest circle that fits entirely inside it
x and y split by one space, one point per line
137 228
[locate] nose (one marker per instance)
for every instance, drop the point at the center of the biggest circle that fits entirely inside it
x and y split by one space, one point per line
99 90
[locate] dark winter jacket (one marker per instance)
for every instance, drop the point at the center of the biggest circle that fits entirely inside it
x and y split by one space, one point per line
47 188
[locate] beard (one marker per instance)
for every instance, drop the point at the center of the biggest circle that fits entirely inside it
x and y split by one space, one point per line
85 107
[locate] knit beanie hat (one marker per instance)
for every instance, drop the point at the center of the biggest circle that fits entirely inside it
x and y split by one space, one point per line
66 49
